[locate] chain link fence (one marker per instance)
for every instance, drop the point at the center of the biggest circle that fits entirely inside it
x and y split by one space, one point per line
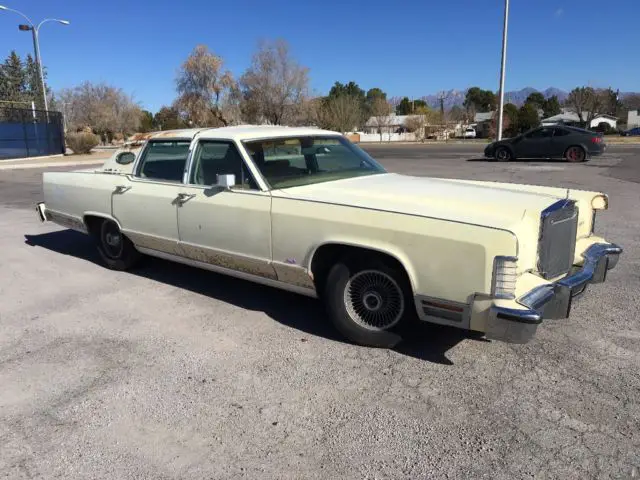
30 133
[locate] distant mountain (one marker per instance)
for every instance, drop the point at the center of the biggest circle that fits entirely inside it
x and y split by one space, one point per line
456 97
517 97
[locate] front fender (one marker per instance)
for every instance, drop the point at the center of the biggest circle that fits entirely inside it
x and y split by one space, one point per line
386 248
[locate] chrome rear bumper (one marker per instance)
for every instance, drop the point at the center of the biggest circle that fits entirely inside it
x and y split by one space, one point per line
552 300
42 211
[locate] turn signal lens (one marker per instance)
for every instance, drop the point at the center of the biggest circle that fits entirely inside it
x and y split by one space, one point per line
503 283
600 202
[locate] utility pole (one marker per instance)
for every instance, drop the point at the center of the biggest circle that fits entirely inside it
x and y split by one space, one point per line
503 64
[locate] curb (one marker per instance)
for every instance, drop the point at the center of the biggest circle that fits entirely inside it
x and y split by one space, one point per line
28 159
21 166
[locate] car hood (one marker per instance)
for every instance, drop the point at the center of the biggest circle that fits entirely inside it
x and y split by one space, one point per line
480 203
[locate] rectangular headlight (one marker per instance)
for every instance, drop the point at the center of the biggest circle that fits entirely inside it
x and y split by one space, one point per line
503 282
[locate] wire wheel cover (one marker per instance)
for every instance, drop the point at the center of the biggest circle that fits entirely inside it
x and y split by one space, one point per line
112 240
374 300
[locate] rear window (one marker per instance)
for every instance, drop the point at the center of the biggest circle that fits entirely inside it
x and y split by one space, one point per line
580 130
164 160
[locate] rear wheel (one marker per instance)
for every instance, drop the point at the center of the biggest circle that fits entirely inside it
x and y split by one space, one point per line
575 154
116 250
368 301
503 154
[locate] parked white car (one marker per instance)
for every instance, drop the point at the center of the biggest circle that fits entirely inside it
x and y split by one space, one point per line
308 211
469 132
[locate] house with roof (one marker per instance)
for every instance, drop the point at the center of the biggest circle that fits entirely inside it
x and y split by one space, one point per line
390 124
569 117
482 123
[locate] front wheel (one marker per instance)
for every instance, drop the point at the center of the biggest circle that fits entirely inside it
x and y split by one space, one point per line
368 301
116 250
503 154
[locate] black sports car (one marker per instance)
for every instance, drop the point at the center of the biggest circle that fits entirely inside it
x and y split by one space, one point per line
557 141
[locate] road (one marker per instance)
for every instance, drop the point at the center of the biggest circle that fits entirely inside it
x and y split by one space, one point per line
169 372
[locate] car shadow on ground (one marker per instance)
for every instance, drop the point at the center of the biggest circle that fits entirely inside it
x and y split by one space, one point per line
426 341
517 160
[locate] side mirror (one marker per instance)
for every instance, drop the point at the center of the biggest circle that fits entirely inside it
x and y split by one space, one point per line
226 181
125 158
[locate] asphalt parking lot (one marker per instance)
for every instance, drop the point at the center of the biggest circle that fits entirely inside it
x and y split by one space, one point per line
169 372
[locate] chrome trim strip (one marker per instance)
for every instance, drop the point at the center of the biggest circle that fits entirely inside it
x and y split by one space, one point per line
233 273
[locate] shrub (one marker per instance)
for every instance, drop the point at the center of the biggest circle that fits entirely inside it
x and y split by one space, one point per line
605 128
82 142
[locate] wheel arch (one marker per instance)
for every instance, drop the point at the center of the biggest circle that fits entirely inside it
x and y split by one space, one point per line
327 253
579 145
90 220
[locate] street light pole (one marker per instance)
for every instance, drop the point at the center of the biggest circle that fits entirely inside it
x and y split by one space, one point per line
36 49
502 68
36 45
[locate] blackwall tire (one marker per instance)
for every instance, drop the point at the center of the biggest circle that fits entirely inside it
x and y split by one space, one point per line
116 250
503 154
368 302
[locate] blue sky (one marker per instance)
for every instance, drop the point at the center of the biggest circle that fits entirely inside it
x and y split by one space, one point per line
412 48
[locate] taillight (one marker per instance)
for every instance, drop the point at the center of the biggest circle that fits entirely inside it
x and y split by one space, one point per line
596 139
505 273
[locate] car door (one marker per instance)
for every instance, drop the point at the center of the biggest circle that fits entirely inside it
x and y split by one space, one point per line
535 144
145 203
226 227
560 141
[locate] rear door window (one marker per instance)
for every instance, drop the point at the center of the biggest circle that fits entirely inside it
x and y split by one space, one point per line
540 133
164 160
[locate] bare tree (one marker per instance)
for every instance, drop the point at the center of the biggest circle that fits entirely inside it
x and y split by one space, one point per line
105 109
341 113
587 103
203 88
416 123
275 85
632 101
381 112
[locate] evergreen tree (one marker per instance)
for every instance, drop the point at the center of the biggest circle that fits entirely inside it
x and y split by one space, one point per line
13 80
32 78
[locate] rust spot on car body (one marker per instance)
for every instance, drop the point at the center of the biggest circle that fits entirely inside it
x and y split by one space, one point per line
65 220
240 263
294 275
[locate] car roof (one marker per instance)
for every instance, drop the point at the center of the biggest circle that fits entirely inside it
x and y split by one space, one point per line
241 132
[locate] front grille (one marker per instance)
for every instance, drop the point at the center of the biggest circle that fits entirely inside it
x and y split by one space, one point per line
557 243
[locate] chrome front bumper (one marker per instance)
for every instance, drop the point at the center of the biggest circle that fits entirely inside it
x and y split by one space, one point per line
552 300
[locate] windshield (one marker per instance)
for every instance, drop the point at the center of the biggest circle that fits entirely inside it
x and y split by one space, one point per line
294 161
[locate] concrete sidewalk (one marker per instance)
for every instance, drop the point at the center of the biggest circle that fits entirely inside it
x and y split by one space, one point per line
94 158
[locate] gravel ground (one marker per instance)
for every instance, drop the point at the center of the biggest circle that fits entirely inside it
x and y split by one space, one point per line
170 372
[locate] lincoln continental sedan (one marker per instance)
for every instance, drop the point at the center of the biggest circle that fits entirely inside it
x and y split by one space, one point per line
306 210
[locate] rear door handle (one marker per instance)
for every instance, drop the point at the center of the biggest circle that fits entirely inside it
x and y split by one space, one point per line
184 197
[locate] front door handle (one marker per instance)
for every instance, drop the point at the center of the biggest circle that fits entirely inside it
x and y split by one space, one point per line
121 188
184 197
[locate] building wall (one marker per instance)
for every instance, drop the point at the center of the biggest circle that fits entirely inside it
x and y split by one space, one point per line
633 120
387 137
597 121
